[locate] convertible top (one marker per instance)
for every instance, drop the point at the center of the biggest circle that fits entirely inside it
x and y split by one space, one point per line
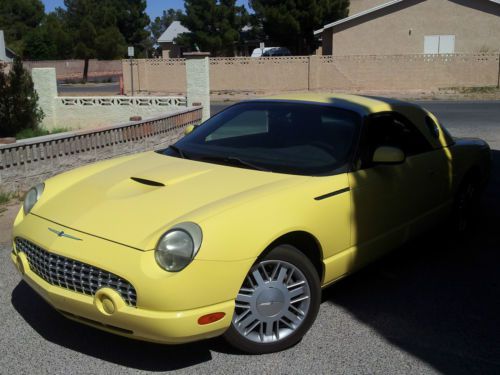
358 103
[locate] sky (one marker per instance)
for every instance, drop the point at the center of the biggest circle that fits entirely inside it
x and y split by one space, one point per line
155 7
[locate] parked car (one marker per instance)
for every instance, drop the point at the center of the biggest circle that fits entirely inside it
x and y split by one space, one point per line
271 51
236 228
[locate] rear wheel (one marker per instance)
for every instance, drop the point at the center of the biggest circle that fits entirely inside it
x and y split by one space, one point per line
276 304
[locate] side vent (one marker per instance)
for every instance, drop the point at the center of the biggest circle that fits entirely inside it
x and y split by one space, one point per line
147 182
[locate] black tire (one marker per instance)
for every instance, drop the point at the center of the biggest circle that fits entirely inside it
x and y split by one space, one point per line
294 265
466 206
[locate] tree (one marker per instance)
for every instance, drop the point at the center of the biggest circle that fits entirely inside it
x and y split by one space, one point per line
94 31
18 101
132 21
291 23
50 41
18 18
103 28
215 25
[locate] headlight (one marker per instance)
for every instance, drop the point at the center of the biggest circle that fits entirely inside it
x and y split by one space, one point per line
32 197
177 247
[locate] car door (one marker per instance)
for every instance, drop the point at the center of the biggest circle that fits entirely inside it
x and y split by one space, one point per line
387 198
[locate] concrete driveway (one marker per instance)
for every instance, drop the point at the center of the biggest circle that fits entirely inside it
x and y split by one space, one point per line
430 307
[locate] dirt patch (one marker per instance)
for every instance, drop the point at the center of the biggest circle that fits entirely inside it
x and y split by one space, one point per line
8 213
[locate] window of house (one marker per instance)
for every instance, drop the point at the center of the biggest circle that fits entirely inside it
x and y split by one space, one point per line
439 44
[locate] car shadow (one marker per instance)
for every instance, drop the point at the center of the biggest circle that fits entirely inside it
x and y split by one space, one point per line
123 351
437 298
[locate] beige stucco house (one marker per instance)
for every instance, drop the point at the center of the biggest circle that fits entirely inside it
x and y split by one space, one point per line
398 27
169 49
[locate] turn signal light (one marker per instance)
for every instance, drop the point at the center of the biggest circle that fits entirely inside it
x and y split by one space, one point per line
211 318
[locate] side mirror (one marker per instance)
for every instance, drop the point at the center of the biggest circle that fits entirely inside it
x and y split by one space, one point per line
388 155
189 129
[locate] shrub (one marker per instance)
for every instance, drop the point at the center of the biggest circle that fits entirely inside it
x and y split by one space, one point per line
38 132
19 108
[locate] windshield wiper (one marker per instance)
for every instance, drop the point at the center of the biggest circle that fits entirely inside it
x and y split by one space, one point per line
233 160
179 151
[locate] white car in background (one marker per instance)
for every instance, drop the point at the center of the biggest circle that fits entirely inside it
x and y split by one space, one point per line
271 51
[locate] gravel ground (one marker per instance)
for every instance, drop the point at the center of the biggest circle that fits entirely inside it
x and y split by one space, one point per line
431 307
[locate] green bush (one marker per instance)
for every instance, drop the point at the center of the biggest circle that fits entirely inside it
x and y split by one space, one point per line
38 132
19 108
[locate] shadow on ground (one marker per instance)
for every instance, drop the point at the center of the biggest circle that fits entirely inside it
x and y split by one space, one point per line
437 298
108 347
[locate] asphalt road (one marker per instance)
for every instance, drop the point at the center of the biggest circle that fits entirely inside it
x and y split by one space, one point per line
89 88
430 307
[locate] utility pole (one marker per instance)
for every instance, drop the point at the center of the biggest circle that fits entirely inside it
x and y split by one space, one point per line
498 80
131 55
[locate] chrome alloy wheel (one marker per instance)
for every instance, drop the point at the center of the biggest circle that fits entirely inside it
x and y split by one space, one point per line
272 303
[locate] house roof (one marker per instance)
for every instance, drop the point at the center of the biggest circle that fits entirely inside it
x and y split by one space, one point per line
172 32
5 53
10 53
368 11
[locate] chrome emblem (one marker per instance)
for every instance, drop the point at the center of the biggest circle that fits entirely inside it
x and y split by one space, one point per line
60 233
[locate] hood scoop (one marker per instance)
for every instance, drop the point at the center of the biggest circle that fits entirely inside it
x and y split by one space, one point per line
147 182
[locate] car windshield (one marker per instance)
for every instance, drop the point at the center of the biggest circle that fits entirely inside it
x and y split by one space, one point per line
283 137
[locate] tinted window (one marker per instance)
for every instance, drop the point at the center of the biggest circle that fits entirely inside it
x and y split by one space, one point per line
396 131
281 137
245 123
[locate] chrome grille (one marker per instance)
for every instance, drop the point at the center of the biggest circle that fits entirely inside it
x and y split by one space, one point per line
72 274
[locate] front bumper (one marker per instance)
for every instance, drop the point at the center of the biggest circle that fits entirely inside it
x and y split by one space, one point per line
170 327
153 318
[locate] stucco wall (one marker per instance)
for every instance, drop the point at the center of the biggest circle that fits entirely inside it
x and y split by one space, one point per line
259 74
169 50
361 72
405 72
198 81
90 112
400 29
155 75
73 69
84 112
45 84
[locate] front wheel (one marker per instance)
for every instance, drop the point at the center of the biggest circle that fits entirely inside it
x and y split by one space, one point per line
276 304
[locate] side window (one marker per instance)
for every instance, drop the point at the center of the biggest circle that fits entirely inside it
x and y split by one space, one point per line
246 123
396 131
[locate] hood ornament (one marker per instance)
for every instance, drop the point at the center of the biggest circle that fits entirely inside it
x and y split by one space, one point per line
60 233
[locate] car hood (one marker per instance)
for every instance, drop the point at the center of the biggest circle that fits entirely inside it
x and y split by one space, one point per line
133 200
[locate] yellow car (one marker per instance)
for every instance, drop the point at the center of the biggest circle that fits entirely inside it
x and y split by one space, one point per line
235 229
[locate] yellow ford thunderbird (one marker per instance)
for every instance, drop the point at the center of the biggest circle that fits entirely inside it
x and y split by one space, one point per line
236 228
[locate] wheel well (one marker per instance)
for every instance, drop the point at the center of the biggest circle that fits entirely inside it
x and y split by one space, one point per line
306 243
